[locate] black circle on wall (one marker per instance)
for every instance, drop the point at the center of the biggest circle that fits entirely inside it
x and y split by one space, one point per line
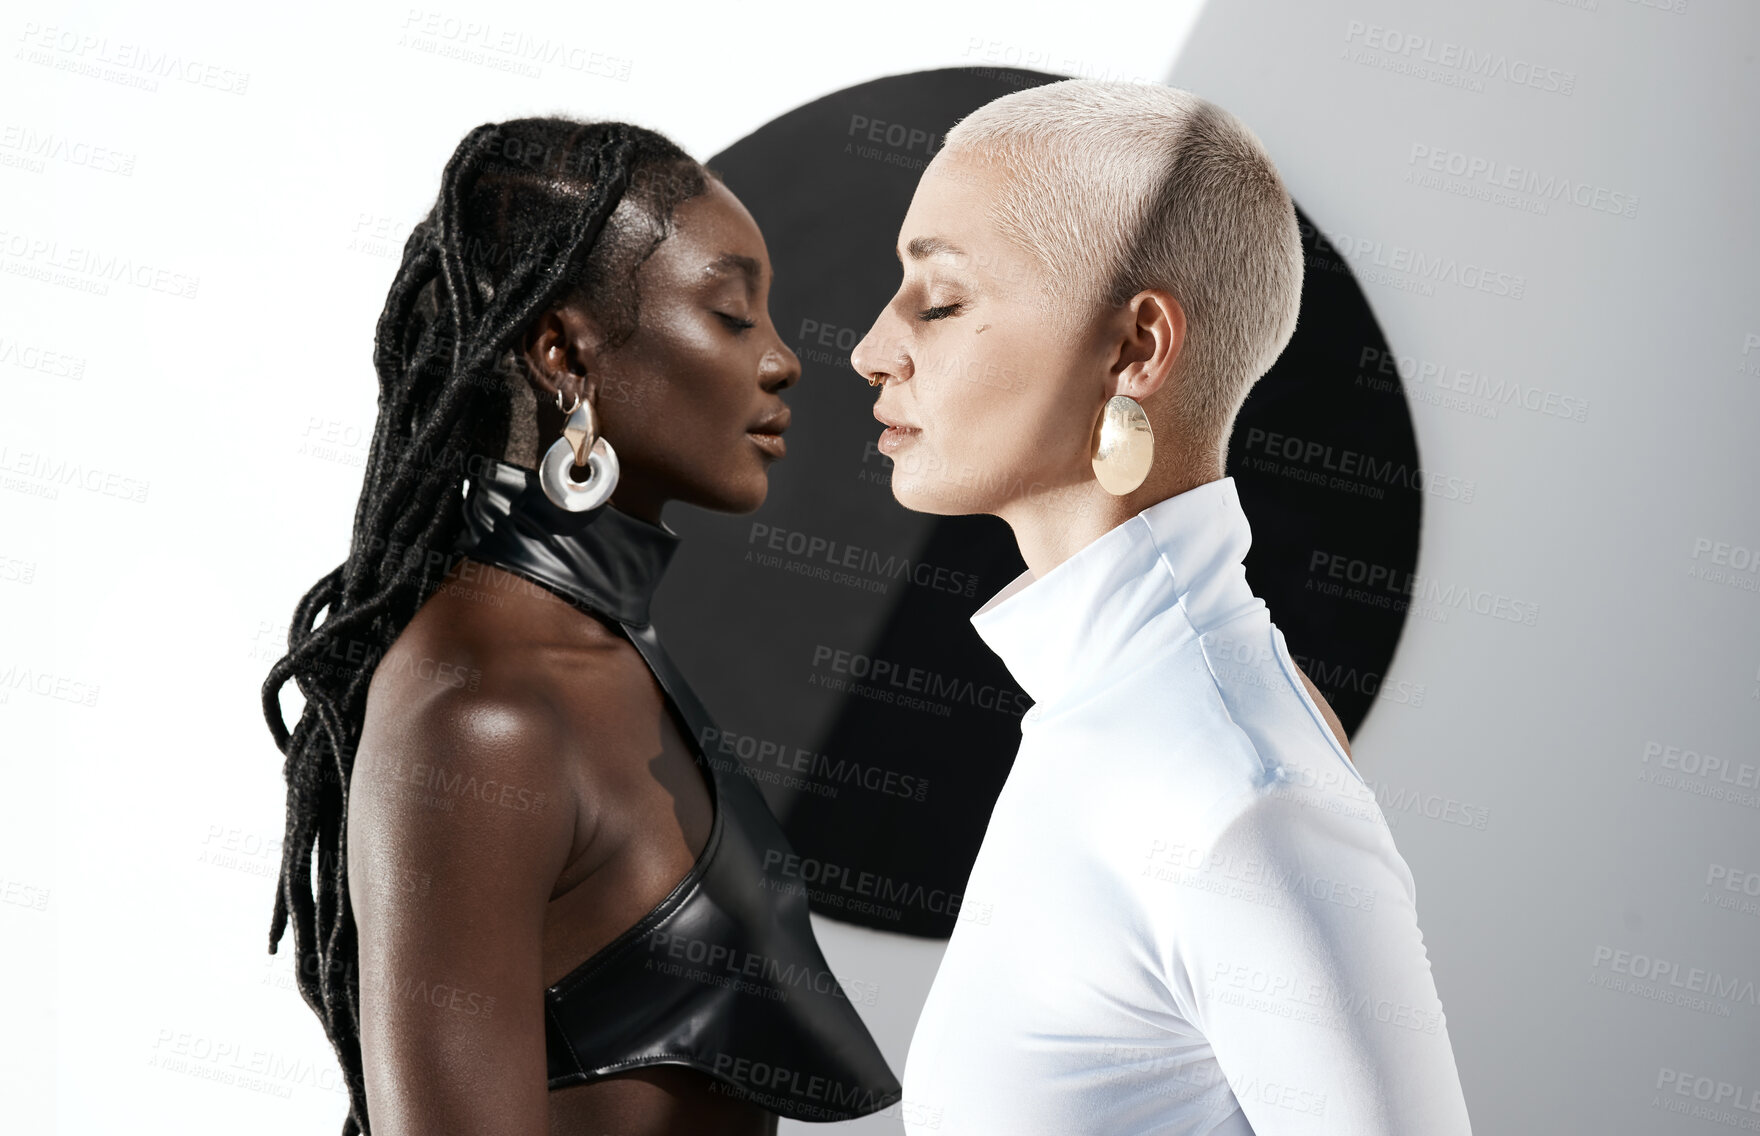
829 631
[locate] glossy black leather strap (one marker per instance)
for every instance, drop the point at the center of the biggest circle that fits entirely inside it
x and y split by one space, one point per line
604 559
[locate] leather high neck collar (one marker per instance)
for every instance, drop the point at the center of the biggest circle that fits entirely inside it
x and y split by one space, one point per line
602 559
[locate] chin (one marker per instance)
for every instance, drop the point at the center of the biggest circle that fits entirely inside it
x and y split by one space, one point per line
913 495
722 501
751 502
744 497
737 483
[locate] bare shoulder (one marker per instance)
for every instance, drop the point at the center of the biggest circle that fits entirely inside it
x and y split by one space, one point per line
501 705
462 757
478 728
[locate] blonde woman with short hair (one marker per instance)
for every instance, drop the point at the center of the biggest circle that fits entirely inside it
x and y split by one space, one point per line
1198 921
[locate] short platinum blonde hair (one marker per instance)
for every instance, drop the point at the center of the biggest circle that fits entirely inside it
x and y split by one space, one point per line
1118 187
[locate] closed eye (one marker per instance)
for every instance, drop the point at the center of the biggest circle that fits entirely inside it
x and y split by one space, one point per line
941 312
736 322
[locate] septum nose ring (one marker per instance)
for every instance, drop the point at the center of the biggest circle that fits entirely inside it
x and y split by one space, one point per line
899 362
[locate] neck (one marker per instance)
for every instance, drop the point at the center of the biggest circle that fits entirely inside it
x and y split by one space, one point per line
631 500
1052 527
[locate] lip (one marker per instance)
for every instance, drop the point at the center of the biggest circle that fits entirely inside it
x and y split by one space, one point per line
891 421
766 434
771 444
773 423
894 438
897 434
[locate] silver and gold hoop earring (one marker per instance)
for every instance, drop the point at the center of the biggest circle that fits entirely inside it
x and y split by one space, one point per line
580 444
1123 445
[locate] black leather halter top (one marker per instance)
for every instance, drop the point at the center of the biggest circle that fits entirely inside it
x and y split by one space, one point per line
724 976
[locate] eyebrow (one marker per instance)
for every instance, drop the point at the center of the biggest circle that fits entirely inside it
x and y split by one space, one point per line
744 265
921 247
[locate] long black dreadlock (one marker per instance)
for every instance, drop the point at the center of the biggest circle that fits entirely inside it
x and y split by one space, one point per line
516 229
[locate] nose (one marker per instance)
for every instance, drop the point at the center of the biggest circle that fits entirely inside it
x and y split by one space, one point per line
882 354
780 368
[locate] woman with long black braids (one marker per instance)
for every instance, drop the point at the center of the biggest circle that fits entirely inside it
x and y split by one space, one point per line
523 897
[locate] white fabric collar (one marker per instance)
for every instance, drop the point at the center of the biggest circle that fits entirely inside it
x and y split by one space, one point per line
1087 619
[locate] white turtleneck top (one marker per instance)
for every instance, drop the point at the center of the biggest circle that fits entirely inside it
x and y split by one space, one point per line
1187 915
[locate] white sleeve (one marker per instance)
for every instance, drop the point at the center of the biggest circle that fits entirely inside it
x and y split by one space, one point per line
1297 954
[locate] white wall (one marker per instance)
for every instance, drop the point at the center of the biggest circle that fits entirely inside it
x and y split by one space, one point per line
1587 870
219 409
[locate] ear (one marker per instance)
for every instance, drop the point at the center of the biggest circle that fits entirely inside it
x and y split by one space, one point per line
561 350
1154 334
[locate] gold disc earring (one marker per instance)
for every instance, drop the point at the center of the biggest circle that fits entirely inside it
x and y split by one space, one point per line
1123 445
